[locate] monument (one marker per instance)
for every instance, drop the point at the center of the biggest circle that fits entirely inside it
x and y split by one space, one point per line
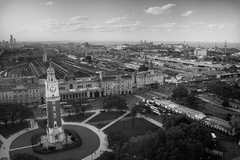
55 136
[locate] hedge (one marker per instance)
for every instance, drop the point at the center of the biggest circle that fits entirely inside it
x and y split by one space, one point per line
75 137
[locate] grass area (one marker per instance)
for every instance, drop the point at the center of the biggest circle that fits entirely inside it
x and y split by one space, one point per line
39 112
74 118
106 116
6 132
232 149
106 156
90 143
156 118
141 127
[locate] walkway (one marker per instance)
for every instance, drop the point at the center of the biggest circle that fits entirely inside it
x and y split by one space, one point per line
115 120
101 135
153 121
4 152
95 114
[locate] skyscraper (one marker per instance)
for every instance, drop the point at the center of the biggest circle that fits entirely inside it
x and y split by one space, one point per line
11 40
14 41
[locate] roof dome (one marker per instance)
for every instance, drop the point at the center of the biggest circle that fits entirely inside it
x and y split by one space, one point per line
69 76
50 69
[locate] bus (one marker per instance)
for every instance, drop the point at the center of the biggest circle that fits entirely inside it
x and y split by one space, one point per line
214 137
42 106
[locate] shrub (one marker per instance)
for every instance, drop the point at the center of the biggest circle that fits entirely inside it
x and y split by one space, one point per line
75 137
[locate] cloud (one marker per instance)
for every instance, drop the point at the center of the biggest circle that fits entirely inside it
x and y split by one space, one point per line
221 26
119 19
194 23
159 10
81 18
49 3
166 25
188 13
77 20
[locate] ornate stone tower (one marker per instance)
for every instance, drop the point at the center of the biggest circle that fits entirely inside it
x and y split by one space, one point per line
55 131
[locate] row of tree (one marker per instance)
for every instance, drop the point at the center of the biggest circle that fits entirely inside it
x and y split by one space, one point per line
223 90
13 112
181 139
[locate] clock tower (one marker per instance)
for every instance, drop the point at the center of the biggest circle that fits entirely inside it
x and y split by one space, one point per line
55 132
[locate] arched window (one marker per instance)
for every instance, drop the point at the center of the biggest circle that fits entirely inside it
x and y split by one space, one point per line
71 86
55 124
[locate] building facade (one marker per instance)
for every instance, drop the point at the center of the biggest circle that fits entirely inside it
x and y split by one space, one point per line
30 90
146 78
20 90
117 84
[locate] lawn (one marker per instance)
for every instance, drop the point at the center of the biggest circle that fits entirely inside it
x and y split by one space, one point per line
141 127
74 118
6 132
104 116
232 149
90 144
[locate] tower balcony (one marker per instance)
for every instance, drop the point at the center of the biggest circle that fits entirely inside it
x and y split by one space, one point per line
52 98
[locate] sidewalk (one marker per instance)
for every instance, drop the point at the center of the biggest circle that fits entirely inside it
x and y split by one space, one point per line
153 121
101 135
4 152
95 114
115 120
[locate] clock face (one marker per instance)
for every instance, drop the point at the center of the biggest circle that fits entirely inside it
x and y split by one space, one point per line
52 89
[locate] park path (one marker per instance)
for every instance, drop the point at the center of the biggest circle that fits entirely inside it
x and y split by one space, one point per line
102 136
4 152
152 121
161 94
115 120
95 114
2 138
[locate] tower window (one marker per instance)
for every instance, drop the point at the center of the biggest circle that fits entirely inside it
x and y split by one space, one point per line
54 108
54 115
55 124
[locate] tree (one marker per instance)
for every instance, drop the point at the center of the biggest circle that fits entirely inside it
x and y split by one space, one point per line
232 68
79 105
234 123
14 112
115 101
24 113
134 111
225 104
4 114
88 59
143 68
182 139
25 156
180 91
191 99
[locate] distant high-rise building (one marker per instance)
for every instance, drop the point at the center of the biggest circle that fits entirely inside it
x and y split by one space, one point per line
11 40
44 56
145 42
225 45
141 42
14 41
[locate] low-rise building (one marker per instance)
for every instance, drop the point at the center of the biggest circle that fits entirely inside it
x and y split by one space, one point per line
146 78
19 90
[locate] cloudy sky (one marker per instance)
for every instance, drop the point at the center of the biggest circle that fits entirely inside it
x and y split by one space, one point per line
121 20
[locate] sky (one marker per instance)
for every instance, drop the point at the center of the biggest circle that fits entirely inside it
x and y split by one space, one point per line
120 20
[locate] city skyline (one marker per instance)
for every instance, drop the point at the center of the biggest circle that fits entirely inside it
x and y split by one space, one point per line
105 20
